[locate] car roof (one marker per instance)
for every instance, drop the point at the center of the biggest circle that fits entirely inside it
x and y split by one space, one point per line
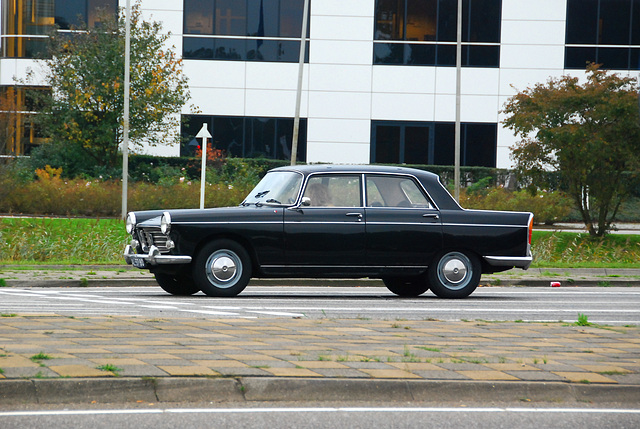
357 168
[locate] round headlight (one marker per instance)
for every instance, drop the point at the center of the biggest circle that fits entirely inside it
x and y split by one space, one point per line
131 222
165 223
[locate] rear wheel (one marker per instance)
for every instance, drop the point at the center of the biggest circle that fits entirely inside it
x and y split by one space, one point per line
176 285
454 274
407 286
222 268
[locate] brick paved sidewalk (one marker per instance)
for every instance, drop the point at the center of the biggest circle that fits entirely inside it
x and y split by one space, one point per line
38 347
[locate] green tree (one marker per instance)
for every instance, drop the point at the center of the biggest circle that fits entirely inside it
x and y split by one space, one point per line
589 133
86 75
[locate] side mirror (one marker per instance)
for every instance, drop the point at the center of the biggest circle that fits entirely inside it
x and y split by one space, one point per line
306 201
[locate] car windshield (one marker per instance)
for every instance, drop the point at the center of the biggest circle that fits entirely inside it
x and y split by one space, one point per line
280 187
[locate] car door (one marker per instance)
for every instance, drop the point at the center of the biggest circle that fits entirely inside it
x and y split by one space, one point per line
328 229
403 226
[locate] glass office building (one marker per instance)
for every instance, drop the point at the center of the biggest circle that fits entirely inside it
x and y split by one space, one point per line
379 76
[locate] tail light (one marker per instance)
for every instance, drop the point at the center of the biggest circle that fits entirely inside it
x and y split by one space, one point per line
530 228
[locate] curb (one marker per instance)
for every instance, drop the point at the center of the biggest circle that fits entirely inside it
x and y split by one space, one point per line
250 389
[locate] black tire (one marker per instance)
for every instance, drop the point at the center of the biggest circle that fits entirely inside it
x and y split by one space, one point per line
407 286
222 268
454 274
176 285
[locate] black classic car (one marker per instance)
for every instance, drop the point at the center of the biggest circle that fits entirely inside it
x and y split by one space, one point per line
333 221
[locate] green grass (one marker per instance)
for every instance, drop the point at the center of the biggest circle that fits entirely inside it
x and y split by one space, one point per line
64 241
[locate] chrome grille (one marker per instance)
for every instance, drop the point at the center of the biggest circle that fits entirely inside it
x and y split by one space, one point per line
153 236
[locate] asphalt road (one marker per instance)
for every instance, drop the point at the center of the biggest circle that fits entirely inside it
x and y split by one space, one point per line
614 306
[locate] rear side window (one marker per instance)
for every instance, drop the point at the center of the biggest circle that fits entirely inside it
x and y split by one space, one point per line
395 191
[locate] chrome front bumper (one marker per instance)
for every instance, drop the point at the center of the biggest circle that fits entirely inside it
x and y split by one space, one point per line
154 257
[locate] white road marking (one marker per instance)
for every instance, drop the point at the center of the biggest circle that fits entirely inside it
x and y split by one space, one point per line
322 410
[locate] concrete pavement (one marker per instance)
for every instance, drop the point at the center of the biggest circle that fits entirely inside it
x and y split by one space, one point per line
58 359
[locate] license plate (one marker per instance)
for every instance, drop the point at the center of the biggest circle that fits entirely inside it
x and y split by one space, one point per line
138 262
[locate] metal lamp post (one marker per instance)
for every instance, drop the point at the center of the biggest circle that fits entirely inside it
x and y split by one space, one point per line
125 116
203 134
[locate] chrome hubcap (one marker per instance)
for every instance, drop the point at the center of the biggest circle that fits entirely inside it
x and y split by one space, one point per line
223 267
454 271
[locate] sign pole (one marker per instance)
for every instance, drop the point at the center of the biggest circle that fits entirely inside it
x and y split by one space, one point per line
204 134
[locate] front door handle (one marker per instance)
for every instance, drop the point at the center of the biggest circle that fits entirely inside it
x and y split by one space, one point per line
358 215
435 216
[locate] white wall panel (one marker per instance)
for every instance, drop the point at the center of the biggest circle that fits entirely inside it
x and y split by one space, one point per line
264 102
339 130
218 101
340 105
480 81
341 52
403 107
275 76
342 28
171 20
532 56
416 80
479 108
514 80
538 10
357 8
533 32
338 152
212 74
345 78
175 5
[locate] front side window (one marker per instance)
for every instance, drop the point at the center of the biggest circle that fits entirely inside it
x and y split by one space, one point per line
333 191
276 188
243 30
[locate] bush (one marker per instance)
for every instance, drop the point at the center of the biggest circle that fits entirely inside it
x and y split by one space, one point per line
547 207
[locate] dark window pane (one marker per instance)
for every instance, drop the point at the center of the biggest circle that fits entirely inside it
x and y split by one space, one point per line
291 18
231 18
481 20
481 56
387 144
389 20
263 18
614 23
289 51
388 53
634 59
447 20
198 17
446 55
230 49
284 138
444 142
260 137
582 21
635 19
197 48
577 58
227 135
480 145
421 19
416 145
421 55
614 58
70 13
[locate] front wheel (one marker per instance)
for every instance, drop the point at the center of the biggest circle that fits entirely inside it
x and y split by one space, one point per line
454 274
407 286
222 268
176 285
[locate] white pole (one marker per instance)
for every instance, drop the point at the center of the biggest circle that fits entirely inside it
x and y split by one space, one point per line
125 117
456 172
204 135
296 119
